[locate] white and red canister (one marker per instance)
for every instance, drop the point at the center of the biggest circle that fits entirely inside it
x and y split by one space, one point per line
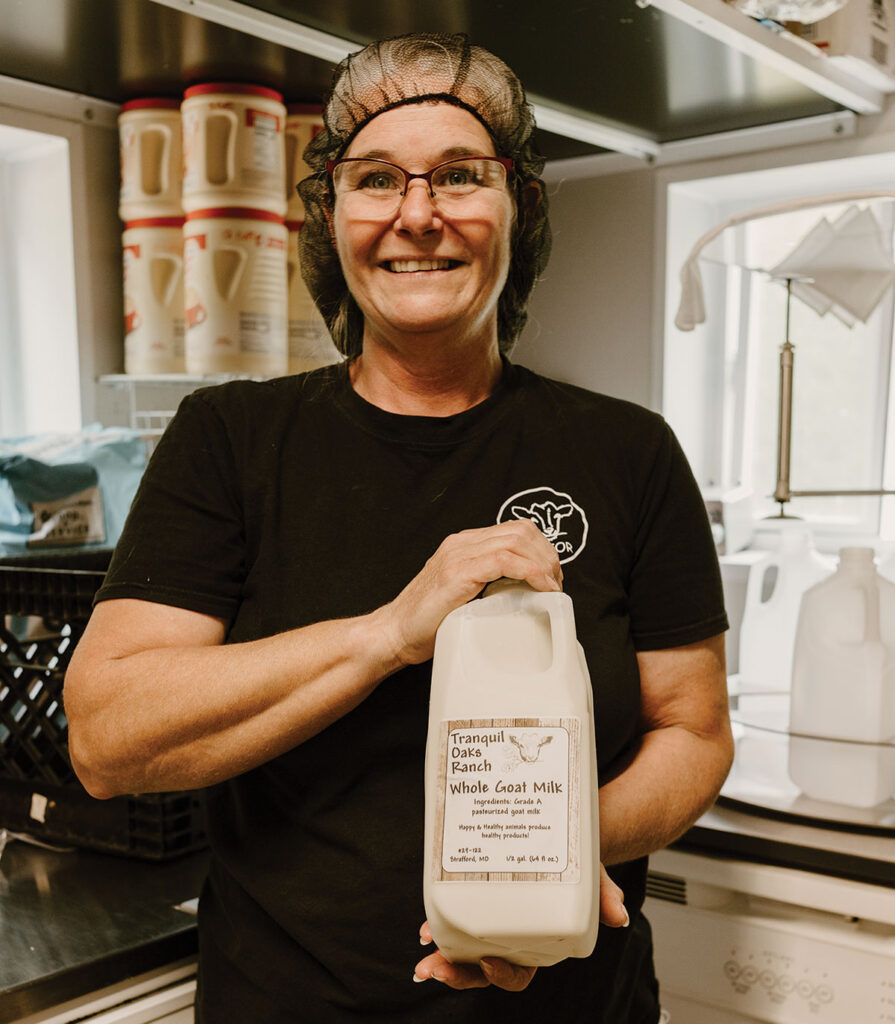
310 344
303 122
149 136
235 291
153 296
233 147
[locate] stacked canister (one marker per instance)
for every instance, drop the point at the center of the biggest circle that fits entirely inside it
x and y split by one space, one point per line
212 283
234 238
310 345
149 205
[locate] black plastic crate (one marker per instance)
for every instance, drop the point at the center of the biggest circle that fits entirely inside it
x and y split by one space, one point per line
44 607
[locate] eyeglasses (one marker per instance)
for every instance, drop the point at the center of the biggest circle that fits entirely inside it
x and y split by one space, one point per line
377 186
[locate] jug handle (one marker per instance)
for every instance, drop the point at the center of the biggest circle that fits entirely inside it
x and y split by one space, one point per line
230 153
231 146
872 630
562 628
174 277
562 633
232 284
755 582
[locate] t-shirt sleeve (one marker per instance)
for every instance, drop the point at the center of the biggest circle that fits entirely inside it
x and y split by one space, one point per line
675 591
183 542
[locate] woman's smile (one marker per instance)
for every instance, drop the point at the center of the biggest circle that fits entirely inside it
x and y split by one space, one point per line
418 265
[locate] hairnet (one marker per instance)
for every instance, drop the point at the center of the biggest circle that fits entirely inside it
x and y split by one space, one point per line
410 69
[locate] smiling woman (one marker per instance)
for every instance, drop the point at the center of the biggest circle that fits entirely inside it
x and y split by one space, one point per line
267 625
425 269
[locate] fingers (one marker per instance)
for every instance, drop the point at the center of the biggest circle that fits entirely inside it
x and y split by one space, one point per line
502 974
458 976
516 549
612 905
489 971
462 565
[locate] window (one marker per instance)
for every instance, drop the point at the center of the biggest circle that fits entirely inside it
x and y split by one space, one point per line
39 385
721 389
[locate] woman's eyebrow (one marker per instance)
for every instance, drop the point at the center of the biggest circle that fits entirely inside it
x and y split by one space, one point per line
446 154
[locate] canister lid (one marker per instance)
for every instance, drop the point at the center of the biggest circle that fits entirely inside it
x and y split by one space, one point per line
239 212
154 222
304 108
151 102
238 88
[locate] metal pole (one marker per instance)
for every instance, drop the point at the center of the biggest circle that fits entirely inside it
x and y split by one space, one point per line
782 493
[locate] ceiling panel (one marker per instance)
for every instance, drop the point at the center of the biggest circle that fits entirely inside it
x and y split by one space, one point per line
633 67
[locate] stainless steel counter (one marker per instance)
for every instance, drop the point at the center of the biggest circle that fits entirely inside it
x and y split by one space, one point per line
74 922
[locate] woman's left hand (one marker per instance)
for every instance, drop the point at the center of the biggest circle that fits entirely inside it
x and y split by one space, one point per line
492 970
489 971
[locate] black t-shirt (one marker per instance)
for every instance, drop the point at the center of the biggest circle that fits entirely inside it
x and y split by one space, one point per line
281 503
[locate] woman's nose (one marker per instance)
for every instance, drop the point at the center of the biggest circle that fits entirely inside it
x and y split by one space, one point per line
417 211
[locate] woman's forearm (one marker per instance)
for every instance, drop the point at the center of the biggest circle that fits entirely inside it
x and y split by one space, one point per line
156 701
184 716
673 779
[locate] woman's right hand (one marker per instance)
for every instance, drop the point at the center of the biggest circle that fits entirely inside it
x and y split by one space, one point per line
462 565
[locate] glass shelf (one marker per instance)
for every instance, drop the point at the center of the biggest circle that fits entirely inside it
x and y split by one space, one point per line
812 779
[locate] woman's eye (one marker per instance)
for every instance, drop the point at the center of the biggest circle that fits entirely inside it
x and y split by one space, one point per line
377 181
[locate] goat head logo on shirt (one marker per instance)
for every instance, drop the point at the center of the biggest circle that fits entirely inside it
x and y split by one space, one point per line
557 516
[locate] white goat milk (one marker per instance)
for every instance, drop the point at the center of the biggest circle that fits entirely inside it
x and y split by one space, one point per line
511 863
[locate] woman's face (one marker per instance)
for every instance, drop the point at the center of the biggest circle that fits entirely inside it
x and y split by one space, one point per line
420 270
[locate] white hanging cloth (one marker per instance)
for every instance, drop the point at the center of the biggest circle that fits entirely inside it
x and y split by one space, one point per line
846 266
848 294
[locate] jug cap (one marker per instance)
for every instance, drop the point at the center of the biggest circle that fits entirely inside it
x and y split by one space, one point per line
857 556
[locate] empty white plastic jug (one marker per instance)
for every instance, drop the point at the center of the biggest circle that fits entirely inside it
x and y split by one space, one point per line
773 595
843 686
511 864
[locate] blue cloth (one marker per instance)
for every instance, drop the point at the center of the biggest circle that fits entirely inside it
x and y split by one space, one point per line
46 501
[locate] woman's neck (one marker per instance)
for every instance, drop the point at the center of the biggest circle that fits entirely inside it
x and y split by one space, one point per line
420 385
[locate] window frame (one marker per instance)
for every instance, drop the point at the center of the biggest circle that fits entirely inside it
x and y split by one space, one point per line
724 406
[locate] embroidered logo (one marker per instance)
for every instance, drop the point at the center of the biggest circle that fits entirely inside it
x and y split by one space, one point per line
556 515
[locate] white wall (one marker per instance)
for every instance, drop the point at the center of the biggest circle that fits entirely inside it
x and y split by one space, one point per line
590 318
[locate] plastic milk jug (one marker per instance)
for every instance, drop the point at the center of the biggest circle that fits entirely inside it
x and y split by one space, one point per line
511 859
843 686
773 595
310 344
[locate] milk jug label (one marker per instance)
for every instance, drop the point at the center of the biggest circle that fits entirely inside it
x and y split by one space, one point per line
508 800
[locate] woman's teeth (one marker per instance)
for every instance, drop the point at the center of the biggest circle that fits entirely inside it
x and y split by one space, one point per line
411 266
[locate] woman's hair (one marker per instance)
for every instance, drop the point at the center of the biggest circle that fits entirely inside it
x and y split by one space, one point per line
412 69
